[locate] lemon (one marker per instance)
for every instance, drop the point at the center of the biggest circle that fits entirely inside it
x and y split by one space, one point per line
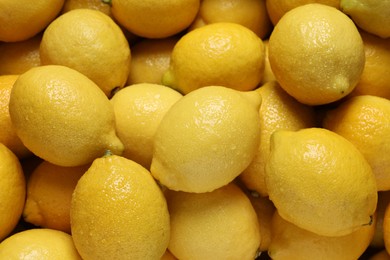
220 54
8 136
119 212
49 192
249 13
139 109
18 57
319 181
90 42
221 224
62 116
150 59
278 111
154 18
37 243
365 122
370 15
206 139
316 54
268 75
24 19
12 191
383 200
291 242
99 5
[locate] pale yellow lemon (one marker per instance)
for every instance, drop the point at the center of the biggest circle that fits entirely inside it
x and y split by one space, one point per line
291 242
319 181
24 19
249 13
221 224
150 59
62 116
119 212
90 42
220 54
12 191
206 139
278 110
39 243
49 192
316 54
365 122
139 109
155 18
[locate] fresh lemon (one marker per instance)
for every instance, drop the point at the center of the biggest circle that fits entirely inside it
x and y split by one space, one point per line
316 54
277 8
371 15
99 5
220 54
155 18
37 243
62 116
12 191
383 200
278 110
18 57
294 243
49 192
249 13
365 122
139 109
8 136
206 139
319 181
119 212
24 19
268 75
221 224
90 42
150 59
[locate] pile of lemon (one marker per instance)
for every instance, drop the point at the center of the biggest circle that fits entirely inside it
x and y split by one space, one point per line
191 129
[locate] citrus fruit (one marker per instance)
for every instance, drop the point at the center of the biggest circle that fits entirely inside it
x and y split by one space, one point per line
139 109
221 224
62 116
316 54
12 191
87 4
383 200
320 182
268 75
206 139
90 42
220 54
365 122
119 212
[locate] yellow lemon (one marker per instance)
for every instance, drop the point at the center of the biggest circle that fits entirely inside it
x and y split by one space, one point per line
139 109
365 122
294 243
220 54
383 200
221 224
8 136
206 139
119 212
90 42
18 57
37 243
370 15
62 116
150 59
276 9
316 54
319 181
268 75
154 18
24 19
375 78
278 110
249 13
87 4
12 191
49 192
